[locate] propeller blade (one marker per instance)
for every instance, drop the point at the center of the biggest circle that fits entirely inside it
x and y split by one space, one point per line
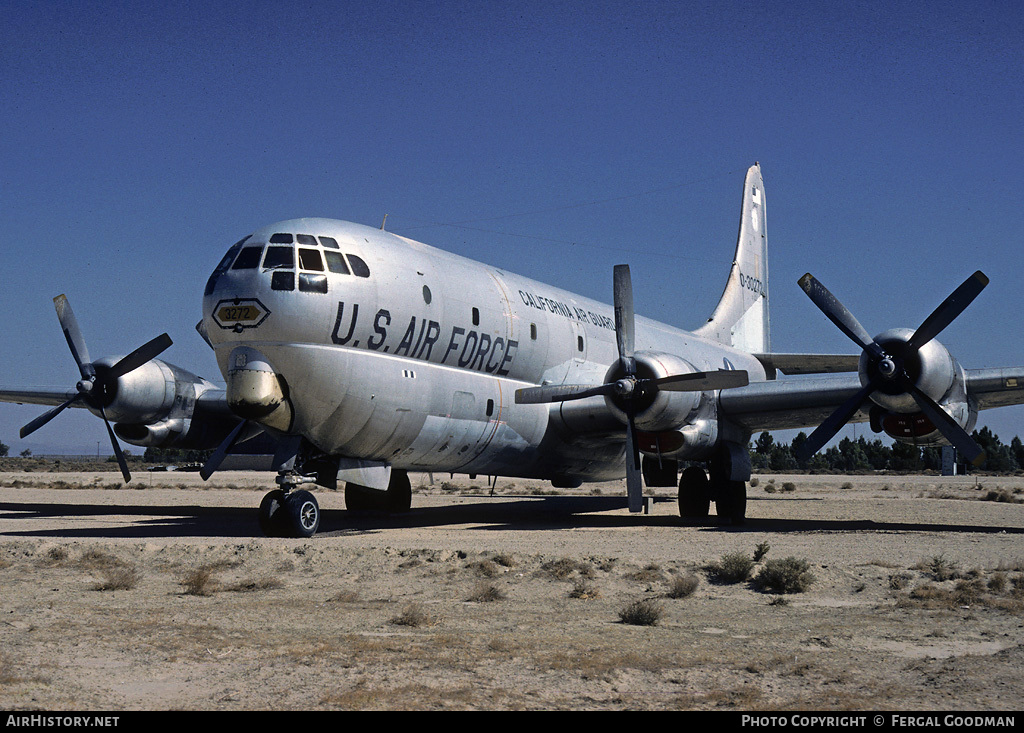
140 356
214 461
47 416
834 423
561 393
949 428
622 290
949 309
838 313
634 479
701 381
118 453
73 335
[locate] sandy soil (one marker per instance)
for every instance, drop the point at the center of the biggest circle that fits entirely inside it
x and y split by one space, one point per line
163 596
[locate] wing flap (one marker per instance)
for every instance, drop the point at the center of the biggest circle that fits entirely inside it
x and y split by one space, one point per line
809 363
38 396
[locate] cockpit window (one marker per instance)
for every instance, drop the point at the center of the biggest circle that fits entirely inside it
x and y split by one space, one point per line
359 268
281 238
248 258
277 257
336 263
225 263
309 259
305 239
329 242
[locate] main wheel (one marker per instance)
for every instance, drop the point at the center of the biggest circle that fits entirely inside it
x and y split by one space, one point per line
731 504
694 493
399 493
301 514
270 513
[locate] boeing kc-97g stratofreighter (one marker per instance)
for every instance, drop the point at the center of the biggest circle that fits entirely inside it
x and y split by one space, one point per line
365 355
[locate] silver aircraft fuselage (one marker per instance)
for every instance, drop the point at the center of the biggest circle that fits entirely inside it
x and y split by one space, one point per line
394 351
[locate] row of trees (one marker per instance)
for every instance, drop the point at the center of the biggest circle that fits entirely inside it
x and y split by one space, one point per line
851 456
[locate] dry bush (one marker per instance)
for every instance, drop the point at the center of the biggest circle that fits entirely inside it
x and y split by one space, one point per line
683 586
650 573
255 584
788 575
734 567
484 568
641 613
485 592
200 581
585 591
344 596
415 616
120 577
563 568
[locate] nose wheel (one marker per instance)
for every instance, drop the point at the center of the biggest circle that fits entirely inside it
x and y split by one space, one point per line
288 511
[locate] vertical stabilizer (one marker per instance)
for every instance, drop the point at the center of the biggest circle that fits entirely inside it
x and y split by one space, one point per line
741 318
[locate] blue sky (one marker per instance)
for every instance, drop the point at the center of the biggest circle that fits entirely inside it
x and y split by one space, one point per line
139 140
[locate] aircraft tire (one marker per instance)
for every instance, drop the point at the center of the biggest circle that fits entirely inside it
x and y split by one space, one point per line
399 493
732 502
301 514
270 514
359 498
694 493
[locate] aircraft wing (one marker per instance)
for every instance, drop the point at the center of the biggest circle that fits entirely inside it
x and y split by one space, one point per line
808 363
37 396
801 403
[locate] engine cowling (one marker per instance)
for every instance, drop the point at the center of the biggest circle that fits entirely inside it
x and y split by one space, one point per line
936 373
655 409
153 405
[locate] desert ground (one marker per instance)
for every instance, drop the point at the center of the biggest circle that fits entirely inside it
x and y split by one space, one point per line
906 593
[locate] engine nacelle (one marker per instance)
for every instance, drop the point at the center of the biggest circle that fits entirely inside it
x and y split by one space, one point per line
932 369
153 404
936 373
655 409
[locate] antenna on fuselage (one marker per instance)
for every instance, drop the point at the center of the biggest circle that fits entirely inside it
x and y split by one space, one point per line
384 222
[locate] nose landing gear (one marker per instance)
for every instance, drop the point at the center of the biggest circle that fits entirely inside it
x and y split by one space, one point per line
290 511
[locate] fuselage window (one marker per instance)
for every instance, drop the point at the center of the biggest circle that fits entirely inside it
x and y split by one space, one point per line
281 238
306 239
329 242
476 317
279 257
490 407
579 344
359 268
282 280
248 258
426 295
533 331
336 263
309 259
310 283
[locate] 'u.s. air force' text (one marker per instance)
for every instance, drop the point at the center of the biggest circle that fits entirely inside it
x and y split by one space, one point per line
421 339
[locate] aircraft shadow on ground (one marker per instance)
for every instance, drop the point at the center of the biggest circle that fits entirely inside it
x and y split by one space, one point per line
499 514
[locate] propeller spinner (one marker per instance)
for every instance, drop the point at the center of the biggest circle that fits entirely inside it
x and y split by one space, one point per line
629 388
888 367
98 383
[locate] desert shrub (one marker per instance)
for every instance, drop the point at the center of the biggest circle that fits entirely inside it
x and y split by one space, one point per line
683 585
200 581
414 615
788 575
120 577
485 592
761 550
583 590
788 486
641 613
732 568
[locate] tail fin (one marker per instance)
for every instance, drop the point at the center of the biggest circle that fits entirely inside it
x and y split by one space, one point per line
741 318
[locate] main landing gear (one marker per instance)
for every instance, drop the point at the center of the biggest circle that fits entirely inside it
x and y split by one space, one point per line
697 490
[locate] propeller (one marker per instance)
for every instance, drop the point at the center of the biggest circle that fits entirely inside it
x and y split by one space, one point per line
98 384
888 371
218 455
629 388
